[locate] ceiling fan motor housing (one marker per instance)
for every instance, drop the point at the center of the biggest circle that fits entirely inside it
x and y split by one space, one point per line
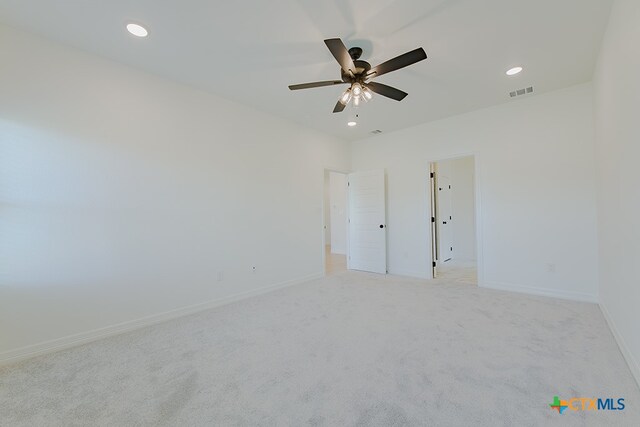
361 67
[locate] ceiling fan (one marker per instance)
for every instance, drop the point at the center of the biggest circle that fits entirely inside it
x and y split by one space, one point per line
358 73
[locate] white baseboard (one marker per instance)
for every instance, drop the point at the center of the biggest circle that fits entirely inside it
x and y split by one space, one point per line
545 292
57 344
634 366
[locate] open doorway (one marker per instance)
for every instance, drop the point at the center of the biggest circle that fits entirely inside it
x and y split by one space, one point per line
335 222
453 220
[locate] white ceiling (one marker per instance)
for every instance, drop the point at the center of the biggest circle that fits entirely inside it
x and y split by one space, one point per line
249 51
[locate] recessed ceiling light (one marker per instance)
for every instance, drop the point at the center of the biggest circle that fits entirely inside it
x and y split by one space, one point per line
351 124
514 71
137 30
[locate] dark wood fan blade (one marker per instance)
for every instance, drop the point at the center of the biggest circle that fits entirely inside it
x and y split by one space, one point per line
398 62
316 84
339 107
388 91
340 52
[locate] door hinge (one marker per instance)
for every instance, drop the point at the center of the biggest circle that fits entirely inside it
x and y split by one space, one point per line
449 187
450 217
431 175
434 264
433 219
348 184
451 248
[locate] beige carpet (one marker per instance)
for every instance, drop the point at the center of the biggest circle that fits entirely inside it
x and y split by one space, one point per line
352 349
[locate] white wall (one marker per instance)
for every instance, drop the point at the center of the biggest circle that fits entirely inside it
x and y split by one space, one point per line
338 200
463 208
535 171
123 195
617 90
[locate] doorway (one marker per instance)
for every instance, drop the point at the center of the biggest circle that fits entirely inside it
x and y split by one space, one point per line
335 222
453 220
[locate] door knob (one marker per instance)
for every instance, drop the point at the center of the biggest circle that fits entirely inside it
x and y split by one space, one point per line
381 226
444 222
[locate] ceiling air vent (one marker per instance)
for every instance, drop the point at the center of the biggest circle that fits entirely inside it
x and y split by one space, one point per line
521 92
375 132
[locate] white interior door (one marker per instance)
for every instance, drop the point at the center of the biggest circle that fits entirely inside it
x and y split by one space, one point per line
445 230
432 221
367 222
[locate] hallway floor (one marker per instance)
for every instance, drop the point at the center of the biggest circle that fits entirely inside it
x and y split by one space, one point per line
458 272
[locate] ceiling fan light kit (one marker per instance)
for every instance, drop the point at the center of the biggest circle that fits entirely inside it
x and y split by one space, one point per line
356 89
346 97
358 74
